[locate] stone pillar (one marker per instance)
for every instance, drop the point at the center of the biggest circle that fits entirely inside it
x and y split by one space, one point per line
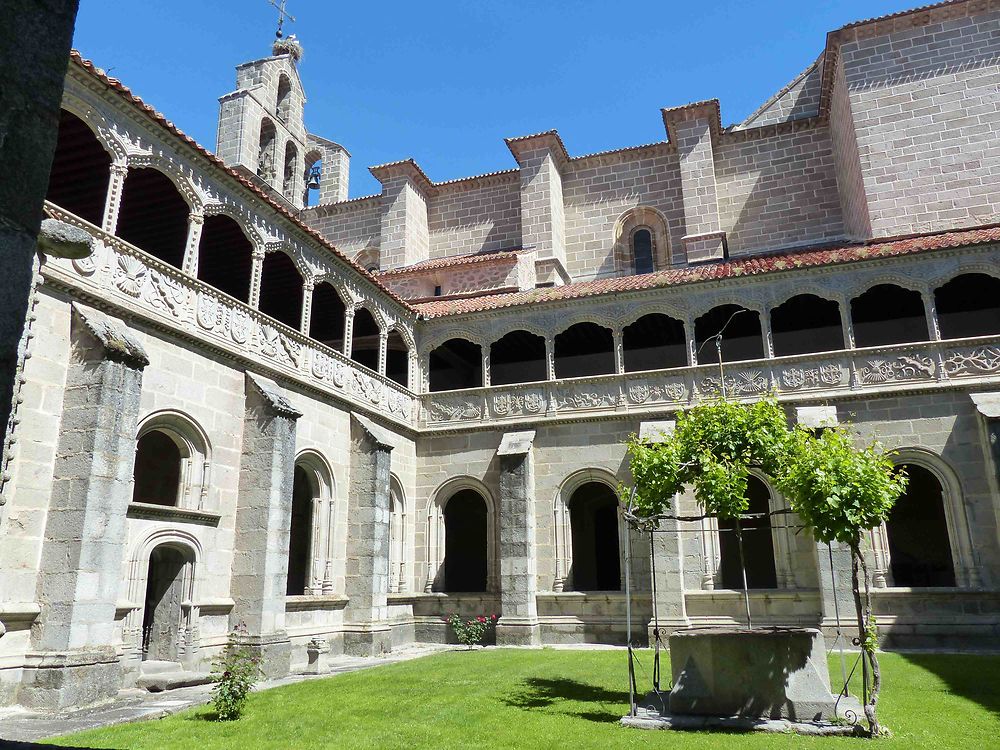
405 188
348 331
691 129
835 593
196 223
73 661
383 345
307 302
366 627
541 158
256 270
263 522
113 201
29 98
518 623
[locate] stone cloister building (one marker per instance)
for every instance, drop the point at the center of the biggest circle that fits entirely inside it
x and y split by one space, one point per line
335 420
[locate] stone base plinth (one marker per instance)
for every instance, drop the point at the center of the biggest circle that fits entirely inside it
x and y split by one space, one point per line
368 641
275 653
769 673
518 633
56 681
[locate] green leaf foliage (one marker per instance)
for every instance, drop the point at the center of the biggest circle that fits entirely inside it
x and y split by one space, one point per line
836 488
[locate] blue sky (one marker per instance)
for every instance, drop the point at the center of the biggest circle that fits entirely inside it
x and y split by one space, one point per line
446 82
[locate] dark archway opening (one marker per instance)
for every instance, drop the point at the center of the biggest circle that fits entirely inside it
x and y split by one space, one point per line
593 512
968 305
81 168
517 357
758 546
919 547
157 472
457 363
161 615
281 289
584 349
741 334
365 339
888 314
397 359
466 525
805 324
153 215
654 342
300 533
225 257
326 322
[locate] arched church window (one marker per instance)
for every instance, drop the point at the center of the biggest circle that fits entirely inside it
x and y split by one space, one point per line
917 530
157 473
397 536
593 513
466 524
758 545
301 532
291 171
78 181
265 152
283 110
642 251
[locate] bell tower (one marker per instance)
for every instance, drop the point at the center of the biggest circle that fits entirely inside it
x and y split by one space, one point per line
262 132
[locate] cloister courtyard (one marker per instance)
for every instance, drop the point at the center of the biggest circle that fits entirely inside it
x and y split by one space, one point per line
549 698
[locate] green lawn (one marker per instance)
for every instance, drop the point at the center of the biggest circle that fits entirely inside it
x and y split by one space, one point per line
549 699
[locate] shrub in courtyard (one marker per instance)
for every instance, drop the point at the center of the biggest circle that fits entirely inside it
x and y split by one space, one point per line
472 632
235 673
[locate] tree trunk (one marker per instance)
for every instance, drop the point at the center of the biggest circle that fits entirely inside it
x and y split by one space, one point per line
868 646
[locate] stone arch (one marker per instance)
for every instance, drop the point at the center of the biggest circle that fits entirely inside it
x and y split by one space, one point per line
99 124
584 349
290 182
226 253
154 213
631 221
400 546
436 535
877 321
369 259
312 174
662 308
743 338
138 588
455 363
241 217
173 172
367 325
956 519
312 525
563 522
968 305
806 323
194 456
399 363
81 169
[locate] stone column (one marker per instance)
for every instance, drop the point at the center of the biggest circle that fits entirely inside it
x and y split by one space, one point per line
113 201
692 128
29 99
307 301
73 661
835 593
366 627
348 331
518 623
196 223
383 344
263 522
256 269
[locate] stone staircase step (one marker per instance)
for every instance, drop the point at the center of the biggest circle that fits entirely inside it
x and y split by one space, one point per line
160 681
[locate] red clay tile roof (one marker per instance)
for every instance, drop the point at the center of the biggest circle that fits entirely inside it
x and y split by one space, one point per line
122 90
749 266
452 261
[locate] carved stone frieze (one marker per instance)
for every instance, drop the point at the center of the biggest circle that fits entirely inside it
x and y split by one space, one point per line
915 366
828 375
642 392
743 383
454 409
518 403
980 360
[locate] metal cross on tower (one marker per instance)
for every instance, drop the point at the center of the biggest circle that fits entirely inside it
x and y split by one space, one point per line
282 15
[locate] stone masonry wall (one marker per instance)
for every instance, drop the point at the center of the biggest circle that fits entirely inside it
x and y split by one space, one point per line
779 191
850 183
475 218
598 190
926 114
352 226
